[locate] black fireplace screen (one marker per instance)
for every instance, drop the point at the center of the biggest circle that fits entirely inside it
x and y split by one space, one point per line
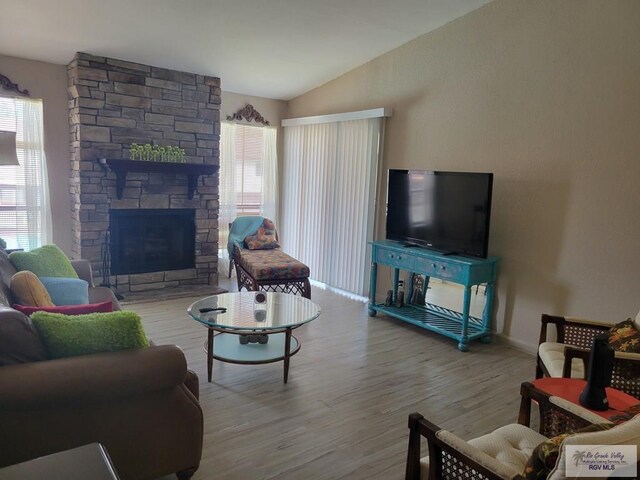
151 240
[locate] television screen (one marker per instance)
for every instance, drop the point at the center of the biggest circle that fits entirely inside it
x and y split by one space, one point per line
446 211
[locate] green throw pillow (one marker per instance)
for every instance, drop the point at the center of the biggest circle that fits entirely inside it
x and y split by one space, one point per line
69 336
46 261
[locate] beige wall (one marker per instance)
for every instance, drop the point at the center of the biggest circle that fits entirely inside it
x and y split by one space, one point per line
546 95
49 82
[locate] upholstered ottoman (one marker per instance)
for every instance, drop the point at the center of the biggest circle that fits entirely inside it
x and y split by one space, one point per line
271 271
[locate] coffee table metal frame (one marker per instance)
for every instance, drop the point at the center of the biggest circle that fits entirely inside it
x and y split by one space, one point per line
228 337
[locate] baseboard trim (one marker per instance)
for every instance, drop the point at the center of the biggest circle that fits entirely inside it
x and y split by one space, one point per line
517 344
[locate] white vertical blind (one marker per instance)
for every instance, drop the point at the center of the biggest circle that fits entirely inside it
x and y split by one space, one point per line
330 172
25 212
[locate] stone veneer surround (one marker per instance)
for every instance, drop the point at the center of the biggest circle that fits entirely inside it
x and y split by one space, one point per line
113 103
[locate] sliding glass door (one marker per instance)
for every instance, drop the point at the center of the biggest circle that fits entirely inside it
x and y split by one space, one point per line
330 177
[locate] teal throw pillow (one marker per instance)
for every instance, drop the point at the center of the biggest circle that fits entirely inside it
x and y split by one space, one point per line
46 261
66 291
70 336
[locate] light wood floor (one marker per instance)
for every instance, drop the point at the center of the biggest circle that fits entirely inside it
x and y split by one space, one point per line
343 414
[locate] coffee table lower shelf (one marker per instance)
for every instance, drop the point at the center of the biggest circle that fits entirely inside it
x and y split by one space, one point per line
226 347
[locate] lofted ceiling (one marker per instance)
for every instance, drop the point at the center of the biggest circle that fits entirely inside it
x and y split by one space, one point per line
269 48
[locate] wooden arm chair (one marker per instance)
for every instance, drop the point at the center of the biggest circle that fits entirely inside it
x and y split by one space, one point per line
503 453
567 357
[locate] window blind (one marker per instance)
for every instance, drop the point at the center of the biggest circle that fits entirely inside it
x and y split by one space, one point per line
249 170
25 218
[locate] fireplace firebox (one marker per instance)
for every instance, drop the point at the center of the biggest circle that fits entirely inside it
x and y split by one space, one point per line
151 240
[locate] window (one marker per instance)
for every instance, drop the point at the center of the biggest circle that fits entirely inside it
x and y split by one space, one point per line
248 165
248 177
25 218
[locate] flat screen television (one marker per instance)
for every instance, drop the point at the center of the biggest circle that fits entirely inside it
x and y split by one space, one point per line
445 211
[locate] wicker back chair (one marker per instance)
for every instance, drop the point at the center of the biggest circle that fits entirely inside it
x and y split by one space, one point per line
451 458
577 335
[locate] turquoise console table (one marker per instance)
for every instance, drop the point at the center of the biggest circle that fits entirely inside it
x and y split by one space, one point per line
461 270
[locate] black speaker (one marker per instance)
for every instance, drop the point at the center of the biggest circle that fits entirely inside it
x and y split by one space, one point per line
594 395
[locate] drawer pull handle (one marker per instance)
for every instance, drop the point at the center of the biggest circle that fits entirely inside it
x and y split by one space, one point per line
443 267
399 257
391 255
433 265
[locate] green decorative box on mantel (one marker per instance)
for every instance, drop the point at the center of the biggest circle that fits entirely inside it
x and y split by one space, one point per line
122 166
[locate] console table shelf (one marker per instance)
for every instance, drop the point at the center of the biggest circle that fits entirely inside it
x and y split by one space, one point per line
468 272
435 318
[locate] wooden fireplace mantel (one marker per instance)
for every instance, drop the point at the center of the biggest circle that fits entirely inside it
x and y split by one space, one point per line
122 166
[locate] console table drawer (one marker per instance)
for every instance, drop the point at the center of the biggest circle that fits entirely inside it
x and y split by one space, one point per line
434 268
395 259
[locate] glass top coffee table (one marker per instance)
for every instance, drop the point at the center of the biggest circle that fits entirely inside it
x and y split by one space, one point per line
252 327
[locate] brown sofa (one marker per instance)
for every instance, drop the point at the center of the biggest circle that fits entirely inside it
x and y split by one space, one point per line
142 405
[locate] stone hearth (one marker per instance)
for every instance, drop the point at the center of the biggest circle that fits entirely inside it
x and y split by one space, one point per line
114 103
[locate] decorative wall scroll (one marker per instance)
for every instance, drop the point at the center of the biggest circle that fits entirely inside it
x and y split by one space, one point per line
248 113
7 84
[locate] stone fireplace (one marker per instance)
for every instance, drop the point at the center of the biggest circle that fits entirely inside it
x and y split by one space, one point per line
112 104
